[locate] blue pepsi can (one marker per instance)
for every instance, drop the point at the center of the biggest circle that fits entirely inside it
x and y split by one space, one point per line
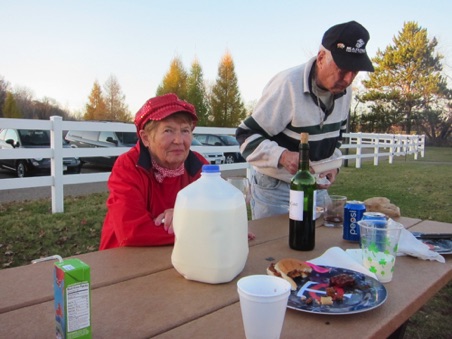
378 219
353 212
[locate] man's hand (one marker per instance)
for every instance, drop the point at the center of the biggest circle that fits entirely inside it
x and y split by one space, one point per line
330 175
289 160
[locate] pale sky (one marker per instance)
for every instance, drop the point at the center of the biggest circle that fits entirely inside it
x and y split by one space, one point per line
58 48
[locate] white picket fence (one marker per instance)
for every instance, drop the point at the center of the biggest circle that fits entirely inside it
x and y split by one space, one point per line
366 145
374 145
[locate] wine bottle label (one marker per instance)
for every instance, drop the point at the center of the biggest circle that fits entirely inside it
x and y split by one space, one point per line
314 207
296 203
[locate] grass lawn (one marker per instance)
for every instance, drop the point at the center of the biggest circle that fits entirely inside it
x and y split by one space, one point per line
421 188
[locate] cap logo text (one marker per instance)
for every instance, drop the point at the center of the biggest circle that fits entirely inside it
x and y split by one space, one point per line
360 43
357 49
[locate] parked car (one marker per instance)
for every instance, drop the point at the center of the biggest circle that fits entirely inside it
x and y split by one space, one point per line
213 157
24 138
101 139
221 140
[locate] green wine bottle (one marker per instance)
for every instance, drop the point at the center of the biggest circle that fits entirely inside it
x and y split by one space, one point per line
302 207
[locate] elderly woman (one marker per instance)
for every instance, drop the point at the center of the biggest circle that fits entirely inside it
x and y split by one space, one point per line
144 181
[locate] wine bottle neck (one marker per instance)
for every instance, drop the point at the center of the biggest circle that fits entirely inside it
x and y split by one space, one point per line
304 157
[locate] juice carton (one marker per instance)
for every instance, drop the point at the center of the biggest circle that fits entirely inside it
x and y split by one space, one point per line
72 298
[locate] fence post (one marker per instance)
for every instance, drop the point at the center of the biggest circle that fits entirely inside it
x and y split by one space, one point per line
399 142
56 164
422 141
376 148
406 144
391 149
358 150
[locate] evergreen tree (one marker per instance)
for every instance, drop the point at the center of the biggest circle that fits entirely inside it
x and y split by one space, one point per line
10 108
96 108
175 80
196 92
117 110
227 108
407 78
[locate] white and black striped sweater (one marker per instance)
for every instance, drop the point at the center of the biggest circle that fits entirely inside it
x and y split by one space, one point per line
287 108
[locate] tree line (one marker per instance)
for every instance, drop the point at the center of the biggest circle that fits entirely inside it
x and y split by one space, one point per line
407 93
219 104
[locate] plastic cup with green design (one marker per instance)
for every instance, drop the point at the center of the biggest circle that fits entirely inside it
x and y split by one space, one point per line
379 247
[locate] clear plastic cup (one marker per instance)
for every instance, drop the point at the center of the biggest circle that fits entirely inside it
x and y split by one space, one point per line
333 215
379 245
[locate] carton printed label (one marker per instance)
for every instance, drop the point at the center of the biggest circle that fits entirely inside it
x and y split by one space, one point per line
78 312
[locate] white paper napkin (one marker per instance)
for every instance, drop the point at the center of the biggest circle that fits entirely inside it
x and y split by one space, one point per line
337 257
409 245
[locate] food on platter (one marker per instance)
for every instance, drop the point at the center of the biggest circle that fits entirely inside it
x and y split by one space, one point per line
342 280
271 270
289 269
336 294
326 300
296 271
306 300
334 290
382 205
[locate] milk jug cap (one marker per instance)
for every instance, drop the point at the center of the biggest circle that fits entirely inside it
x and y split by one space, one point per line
210 168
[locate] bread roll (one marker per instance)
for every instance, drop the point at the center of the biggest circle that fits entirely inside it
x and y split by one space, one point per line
289 269
382 205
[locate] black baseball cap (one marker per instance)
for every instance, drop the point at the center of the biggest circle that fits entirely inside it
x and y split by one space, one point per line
347 44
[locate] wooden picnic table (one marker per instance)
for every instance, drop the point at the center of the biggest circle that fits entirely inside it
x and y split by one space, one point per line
136 293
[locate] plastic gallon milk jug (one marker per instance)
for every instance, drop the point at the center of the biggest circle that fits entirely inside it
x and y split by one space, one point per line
211 228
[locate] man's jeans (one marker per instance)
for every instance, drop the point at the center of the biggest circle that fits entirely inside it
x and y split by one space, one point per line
270 196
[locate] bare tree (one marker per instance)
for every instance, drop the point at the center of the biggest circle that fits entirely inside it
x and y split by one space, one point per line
4 89
24 99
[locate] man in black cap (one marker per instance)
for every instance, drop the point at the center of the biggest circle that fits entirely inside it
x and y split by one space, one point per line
313 97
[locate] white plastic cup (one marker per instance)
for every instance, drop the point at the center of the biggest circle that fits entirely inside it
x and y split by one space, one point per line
263 302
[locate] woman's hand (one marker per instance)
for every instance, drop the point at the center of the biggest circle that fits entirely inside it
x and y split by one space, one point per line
251 236
166 219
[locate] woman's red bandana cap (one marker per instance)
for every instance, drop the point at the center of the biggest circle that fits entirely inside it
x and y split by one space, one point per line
160 107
